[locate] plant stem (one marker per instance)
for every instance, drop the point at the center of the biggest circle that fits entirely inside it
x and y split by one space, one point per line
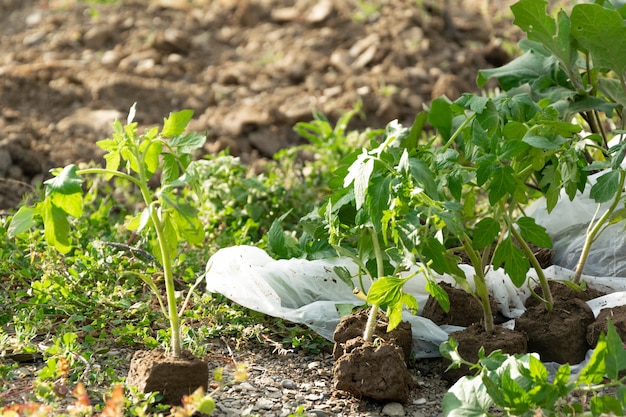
543 280
595 229
458 131
370 327
479 283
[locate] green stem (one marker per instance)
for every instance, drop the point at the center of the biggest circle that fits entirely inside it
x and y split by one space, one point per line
370 327
595 229
102 171
458 132
479 283
543 280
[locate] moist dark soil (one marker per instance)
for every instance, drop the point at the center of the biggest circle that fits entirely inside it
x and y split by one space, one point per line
375 370
352 326
616 315
474 337
558 335
464 311
154 371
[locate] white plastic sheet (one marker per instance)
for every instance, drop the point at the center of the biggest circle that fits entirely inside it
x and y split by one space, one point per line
309 292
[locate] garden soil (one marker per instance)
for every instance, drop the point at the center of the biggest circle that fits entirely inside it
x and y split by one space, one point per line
250 69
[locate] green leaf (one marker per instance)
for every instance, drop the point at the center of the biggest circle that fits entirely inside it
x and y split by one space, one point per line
188 142
188 225
502 183
152 152
276 238
56 226
170 170
416 130
439 294
527 68
440 116
531 17
485 233
516 265
378 200
602 32
23 220
615 353
534 233
605 405
72 204
424 176
605 187
176 123
541 142
386 291
467 398
67 182
442 261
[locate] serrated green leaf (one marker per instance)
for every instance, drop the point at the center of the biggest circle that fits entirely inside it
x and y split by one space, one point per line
529 67
602 32
439 294
485 233
531 17
605 187
23 220
394 315
386 291
112 162
67 182
176 123
534 233
502 183
516 265
188 142
187 224
170 170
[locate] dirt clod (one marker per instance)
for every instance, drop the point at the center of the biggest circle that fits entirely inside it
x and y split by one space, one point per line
154 371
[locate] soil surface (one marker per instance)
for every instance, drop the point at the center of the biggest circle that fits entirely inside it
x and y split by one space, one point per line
250 69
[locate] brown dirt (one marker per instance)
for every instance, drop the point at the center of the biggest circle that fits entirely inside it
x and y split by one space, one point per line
250 69
352 326
474 337
464 309
153 370
375 371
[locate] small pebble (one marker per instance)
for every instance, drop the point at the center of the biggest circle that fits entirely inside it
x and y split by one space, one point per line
393 410
288 384
314 365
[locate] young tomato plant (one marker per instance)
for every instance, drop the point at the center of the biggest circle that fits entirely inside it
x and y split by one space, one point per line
166 220
520 385
367 219
576 62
